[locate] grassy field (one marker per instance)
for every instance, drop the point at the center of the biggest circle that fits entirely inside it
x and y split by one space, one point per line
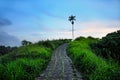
27 62
91 66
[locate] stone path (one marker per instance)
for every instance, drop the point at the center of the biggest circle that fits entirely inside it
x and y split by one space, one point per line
60 67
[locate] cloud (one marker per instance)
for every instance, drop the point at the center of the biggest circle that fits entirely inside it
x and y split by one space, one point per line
97 28
4 22
48 13
8 40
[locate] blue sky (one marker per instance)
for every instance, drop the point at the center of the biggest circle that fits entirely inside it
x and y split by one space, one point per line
36 20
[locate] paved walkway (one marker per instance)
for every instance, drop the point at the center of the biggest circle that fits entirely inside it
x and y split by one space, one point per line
60 67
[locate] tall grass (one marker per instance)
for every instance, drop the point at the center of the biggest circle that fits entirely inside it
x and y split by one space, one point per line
27 62
91 66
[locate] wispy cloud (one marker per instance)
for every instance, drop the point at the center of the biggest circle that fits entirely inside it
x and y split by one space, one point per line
97 28
4 22
8 40
5 38
45 19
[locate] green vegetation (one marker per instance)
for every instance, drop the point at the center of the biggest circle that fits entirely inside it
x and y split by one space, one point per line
6 50
91 66
24 42
96 59
108 46
27 62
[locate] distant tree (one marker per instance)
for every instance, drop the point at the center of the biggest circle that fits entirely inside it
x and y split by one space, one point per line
28 42
72 19
25 42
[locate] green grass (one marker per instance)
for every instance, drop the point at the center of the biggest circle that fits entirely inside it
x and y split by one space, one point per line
30 51
91 66
23 69
27 62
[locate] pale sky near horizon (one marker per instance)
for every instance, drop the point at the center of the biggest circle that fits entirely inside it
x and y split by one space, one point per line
36 20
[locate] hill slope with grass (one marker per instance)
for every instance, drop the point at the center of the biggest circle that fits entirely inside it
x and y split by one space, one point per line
27 62
92 66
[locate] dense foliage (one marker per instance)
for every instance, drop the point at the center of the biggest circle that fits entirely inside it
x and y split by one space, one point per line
27 62
91 66
5 50
108 46
54 43
25 42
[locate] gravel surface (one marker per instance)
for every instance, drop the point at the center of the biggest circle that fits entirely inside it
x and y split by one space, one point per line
60 67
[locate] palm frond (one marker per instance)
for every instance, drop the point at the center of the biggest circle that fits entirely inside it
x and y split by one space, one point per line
72 19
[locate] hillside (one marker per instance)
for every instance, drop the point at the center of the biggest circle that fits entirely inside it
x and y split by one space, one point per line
94 58
88 59
27 62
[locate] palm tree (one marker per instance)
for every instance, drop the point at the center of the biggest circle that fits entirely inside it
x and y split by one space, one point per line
72 19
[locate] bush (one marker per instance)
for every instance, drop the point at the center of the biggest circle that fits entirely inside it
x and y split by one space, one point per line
109 46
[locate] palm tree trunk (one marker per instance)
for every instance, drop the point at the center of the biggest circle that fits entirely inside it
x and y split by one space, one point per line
72 32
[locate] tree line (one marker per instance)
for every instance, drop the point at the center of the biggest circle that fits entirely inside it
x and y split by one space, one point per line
5 50
8 49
